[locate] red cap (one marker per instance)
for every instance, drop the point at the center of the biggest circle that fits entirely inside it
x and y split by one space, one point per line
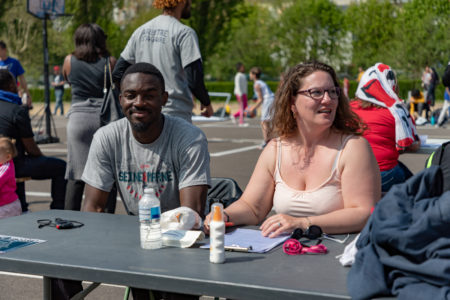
56 68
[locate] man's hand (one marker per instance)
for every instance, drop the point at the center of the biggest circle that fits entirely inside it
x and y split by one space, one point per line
207 111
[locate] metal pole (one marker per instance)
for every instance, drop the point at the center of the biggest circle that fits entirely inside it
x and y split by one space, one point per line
46 79
47 138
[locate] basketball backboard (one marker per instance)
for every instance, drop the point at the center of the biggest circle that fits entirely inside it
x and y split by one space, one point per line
41 8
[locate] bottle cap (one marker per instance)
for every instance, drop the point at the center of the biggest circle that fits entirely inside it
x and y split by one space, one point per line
149 190
217 212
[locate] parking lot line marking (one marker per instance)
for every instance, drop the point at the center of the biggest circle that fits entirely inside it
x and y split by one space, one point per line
237 150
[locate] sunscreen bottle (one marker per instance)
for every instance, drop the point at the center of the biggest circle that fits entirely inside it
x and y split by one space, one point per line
217 235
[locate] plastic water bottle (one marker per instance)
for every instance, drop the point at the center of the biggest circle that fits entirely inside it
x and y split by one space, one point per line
217 235
149 217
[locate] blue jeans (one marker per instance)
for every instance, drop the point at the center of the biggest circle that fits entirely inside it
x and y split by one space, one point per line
41 168
391 177
59 101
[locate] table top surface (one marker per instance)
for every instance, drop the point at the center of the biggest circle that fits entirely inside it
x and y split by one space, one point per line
107 249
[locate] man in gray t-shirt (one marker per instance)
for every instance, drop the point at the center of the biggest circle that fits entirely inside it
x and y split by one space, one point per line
173 48
147 148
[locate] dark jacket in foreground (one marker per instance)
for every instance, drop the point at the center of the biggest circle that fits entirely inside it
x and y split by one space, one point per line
404 249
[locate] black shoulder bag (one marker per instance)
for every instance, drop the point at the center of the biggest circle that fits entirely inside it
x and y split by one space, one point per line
111 109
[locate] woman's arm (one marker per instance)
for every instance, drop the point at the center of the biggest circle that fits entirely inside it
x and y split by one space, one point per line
66 67
257 199
361 189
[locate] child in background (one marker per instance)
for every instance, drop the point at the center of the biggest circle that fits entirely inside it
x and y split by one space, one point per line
416 106
265 98
9 201
240 90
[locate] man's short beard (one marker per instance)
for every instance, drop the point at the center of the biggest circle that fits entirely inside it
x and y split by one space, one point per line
140 127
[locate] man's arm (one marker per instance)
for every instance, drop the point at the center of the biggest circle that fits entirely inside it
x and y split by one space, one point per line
31 147
119 69
194 74
194 197
95 199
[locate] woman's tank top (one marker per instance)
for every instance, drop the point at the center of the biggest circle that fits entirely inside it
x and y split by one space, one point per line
323 199
87 79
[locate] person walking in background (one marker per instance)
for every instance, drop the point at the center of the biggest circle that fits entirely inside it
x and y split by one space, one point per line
434 80
13 65
85 70
390 129
58 84
241 91
426 80
9 201
265 99
345 86
173 48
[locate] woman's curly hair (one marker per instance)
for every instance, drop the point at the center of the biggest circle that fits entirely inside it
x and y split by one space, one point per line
161 4
283 122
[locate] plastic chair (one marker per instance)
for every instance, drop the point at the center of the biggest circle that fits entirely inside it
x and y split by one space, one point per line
224 190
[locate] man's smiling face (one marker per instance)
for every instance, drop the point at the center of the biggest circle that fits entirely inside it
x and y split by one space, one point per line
142 98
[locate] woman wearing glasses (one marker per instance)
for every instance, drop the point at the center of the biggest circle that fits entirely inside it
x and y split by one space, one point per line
318 170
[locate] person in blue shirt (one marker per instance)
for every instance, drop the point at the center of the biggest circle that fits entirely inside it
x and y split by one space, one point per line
13 65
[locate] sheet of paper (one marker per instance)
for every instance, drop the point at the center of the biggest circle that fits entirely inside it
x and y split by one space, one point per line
9 243
246 238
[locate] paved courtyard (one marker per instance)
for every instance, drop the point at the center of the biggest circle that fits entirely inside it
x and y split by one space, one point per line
234 152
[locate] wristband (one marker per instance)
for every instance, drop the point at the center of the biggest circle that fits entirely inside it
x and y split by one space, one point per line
228 217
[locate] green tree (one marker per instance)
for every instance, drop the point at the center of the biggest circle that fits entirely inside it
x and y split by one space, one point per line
100 12
423 36
372 24
249 40
311 29
211 19
21 33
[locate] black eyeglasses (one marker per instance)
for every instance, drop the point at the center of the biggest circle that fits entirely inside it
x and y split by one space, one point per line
313 232
59 223
318 94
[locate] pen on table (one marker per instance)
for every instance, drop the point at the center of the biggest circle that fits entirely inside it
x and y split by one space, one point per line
238 248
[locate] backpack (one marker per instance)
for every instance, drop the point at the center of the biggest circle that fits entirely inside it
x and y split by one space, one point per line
441 158
446 76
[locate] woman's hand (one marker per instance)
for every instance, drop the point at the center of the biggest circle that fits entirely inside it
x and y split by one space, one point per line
280 223
206 223
208 220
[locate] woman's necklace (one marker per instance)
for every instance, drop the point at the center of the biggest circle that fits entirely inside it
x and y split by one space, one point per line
300 160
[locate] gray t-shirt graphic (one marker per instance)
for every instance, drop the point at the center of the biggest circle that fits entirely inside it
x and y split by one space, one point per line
170 46
179 158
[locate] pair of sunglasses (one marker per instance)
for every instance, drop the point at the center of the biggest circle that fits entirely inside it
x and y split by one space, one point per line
313 232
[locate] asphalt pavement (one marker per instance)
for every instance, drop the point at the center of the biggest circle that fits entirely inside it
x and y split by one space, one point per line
234 151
